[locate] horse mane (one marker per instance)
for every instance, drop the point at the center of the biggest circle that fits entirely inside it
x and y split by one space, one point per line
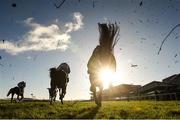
108 36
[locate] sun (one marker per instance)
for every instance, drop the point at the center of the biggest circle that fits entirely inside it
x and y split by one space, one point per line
106 76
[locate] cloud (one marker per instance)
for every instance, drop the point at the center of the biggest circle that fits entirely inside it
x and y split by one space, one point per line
44 37
77 25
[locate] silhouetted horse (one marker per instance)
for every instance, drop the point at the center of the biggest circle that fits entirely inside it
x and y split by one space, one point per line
102 57
58 81
18 90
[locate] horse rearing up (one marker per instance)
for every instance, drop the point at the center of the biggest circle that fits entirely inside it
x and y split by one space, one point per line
58 81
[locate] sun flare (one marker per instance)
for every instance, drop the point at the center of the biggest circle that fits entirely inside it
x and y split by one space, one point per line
106 75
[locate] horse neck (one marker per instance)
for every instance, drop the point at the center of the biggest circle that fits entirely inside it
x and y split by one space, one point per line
21 88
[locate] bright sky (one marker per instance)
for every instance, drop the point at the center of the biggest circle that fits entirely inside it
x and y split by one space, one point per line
39 36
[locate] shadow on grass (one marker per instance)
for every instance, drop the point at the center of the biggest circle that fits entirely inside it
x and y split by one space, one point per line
71 104
90 114
174 113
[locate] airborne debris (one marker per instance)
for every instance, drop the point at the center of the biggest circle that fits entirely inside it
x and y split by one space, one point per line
58 6
175 55
167 37
35 57
137 31
14 5
176 37
10 65
140 21
0 57
58 44
1 65
140 4
2 41
62 2
143 38
93 4
133 65
176 61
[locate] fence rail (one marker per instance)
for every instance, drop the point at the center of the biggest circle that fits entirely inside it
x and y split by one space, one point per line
159 96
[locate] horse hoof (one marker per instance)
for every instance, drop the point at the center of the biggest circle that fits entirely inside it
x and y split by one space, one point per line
99 104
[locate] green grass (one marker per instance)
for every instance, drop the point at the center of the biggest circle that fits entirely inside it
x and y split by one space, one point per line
109 109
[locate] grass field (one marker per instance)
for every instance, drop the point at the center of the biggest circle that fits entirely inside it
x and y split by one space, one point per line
74 109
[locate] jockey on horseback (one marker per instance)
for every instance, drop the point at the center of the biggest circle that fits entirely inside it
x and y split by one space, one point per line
102 57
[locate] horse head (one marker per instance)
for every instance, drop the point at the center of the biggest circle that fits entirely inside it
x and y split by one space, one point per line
22 85
52 72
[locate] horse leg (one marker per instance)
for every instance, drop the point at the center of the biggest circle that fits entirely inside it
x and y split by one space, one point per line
52 94
61 95
22 96
54 99
63 91
51 100
94 94
61 99
55 94
12 95
93 87
100 95
18 98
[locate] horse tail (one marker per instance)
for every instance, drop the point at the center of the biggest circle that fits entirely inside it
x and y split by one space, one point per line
10 91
